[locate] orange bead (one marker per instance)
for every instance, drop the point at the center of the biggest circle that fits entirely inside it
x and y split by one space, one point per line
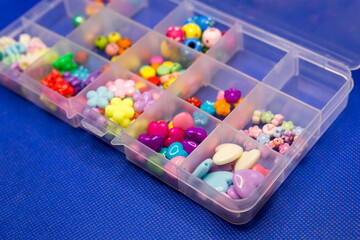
124 44
238 102
222 107
155 65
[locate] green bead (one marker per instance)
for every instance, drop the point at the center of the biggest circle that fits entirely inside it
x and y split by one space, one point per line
266 117
101 42
78 20
175 67
205 49
1 56
162 70
65 63
288 126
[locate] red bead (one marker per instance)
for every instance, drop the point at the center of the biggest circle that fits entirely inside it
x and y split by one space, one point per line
155 80
55 82
194 101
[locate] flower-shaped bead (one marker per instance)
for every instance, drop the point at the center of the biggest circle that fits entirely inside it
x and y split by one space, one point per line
283 148
222 107
266 117
120 111
238 102
194 101
256 117
232 95
100 98
263 138
276 143
245 131
208 107
142 101
279 131
121 88
220 95
278 119
288 137
298 130
288 126
254 131
200 119
81 73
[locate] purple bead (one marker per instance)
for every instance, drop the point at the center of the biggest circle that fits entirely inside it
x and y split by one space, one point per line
226 167
246 181
189 146
232 192
232 95
154 142
288 137
91 78
195 134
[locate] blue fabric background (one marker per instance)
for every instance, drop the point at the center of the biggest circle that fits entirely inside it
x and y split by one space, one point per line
57 182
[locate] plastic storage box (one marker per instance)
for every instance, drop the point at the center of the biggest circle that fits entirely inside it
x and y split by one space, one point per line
306 83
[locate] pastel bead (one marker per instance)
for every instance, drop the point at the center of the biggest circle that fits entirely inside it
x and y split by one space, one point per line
277 120
267 117
298 130
226 153
269 129
174 135
171 166
168 64
168 83
246 181
263 138
259 168
229 167
176 33
193 43
208 107
196 134
275 143
288 126
231 192
175 150
148 72
183 121
279 131
203 168
160 128
176 67
219 180
101 42
112 49
189 145
114 37
192 30
254 131
283 148
156 59
154 142
247 159
162 70
211 36
288 137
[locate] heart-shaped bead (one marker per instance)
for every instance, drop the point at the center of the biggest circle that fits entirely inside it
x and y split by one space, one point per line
195 134
189 146
174 135
247 159
226 153
231 192
259 168
203 168
219 180
160 128
183 121
154 142
175 150
229 167
171 166
246 181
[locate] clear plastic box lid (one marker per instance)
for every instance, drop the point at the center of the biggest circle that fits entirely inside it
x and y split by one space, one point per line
328 27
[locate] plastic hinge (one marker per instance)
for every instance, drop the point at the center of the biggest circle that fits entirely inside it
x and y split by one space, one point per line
87 125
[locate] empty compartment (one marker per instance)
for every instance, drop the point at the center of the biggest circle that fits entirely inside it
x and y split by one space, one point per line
246 53
274 109
207 78
204 17
154 44
24 43
146 12
64 16
102 25
215 195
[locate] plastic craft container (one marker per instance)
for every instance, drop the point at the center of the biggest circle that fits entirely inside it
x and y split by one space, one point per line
275 69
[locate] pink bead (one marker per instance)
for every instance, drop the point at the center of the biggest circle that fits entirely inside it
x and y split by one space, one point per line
112 49
156 59
176 33
276 143
254 131
211 36
277 120
121 88
220 95
283 148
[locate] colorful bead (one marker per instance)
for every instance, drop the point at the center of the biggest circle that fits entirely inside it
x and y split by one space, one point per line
162 70
254 131
120 111
101 42
226 153
232 95
263 138
78 20
174 150
81 57
246 181
222 107
220 95
176 33
211 36
196 134
200 119
194 101
278 119
65 63
189 145
203 168
275 143
269 129
168 64
176 67
124 44
121 88
208 107
192 30
114 37
148 73
156 59
219 180
155 80
238 102
112 49
154 142
298 131
283 148
204 22
158 128
288 137
193 43
99 98
256 117
279 131
168 83
183 121
143 101
247 159
288 126
266 117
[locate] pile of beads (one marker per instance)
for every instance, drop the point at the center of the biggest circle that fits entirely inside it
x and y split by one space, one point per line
197 33
175 140
161 73
22 53
274 132
232 171
114 45
69 76
102 2
122 101
223 104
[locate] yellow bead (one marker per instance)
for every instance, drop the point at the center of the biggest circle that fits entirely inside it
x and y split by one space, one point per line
192 30
170 125
148 72
167 84
109 111
140 85
168 64
119 115
169 51
127 102
125 123
113 59
115 101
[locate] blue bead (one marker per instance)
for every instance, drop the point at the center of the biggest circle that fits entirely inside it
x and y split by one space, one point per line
203 168
190 20
204 22
193 43
200 119
176 149
163 151
219 180
208 107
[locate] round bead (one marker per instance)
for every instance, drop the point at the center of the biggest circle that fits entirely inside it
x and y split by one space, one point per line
211 36
81 57
142 68
114 37
192 30
78 20
175 67
168 64
193 43
124 44
162 70
156 59
101 42
176 33
112 49
204 22
148 73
